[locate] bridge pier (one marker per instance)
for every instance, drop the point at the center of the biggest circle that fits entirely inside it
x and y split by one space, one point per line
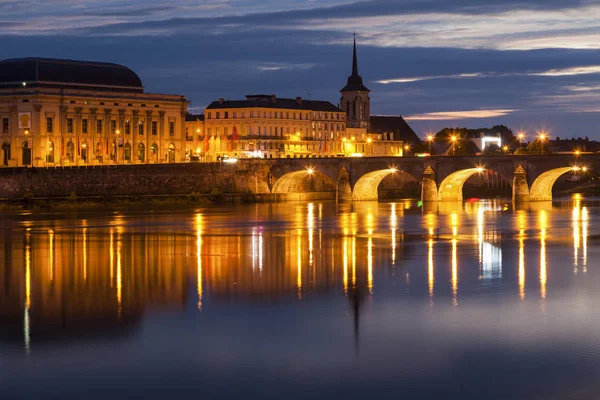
520 189
429 190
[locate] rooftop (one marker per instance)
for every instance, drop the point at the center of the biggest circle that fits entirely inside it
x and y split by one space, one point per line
72 74
271 101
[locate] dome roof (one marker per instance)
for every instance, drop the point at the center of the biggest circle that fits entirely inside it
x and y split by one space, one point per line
87 75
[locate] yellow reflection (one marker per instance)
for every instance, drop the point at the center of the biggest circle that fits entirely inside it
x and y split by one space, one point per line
480 232
199 259
393 225
522 264
119 278
430 276
543 223
353 261
299 251
51 254
584 234
84 249
28 270
454 272
370 263
112 256
345 264
454 223
310 223
430 222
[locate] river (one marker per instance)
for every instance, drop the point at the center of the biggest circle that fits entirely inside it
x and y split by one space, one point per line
303 300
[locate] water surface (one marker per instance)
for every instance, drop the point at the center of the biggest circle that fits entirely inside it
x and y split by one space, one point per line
298 300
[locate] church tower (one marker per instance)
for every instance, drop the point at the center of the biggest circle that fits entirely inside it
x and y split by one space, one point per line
355 99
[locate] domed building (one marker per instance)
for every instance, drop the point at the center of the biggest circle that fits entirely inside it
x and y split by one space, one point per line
67 113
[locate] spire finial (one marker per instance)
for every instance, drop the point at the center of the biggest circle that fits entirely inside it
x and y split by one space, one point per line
354 59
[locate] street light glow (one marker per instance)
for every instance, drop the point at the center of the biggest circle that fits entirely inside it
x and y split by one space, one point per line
310 171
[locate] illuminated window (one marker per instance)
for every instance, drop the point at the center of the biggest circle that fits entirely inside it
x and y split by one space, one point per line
154 128
84 126
49 125
113 126
69 125
171 128
99 126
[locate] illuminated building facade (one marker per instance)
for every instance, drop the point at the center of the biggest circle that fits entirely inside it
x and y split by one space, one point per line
265 126
67 113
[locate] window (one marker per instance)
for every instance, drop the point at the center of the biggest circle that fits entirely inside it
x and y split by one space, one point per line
172 128
140 128
98 126
127 127
69 125
49 125
154 128
226 114
84 126
218 114
5 125
209 115
113 126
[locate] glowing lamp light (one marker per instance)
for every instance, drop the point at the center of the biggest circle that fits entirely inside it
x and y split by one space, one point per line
576 169
310 171
357 155
430 138
369 140
480 169
231 160
393 170
584 169
577 152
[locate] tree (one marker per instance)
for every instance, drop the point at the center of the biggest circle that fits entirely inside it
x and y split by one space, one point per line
492 149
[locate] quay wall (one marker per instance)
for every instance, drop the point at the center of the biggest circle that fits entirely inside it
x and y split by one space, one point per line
128 180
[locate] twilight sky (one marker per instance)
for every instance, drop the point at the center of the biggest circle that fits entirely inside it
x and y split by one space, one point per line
527 64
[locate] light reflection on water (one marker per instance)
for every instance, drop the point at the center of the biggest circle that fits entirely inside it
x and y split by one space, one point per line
423 286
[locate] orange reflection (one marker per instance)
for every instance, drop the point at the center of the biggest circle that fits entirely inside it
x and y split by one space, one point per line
543 224
51 254
199 259
430 271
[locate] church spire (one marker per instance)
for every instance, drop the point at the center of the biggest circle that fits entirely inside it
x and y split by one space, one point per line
354 59
355 81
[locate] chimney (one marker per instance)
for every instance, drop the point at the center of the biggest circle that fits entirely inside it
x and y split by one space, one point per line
273 99
221 100
299 100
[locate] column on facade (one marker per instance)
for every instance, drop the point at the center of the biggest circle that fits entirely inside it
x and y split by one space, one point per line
107 134
134 132
148 135
121 129
62 128
181 135
78 131
38 150
161 134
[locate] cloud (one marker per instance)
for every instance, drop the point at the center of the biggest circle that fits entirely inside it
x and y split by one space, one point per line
458 115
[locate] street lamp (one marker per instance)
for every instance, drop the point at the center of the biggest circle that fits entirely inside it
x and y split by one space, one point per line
118 132
454 139
542 138
407 148
430 140
521 136
26 132
505 148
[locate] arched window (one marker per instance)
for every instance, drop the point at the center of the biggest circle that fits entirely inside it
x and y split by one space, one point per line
70 151
127 152
5 153
141 152
154 152
50 154
171 156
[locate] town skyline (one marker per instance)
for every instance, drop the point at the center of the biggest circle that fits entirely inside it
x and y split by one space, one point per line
527 65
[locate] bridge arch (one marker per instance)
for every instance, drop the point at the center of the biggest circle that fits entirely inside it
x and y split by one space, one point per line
366 187
297 182
541 189
451 188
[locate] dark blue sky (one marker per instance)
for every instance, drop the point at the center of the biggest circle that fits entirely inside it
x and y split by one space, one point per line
526 64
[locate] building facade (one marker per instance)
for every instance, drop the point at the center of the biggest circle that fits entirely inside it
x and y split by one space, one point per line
65 113
265 126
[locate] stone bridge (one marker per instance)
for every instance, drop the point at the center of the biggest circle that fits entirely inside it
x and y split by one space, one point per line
441 177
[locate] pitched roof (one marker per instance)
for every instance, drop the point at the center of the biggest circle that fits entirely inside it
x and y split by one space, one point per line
194 117
86 75
397 125
270 101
